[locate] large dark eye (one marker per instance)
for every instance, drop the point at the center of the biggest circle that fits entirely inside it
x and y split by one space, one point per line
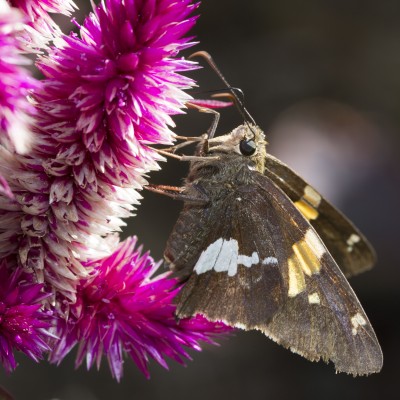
247 147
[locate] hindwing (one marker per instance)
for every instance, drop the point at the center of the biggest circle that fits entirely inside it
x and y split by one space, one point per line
348 246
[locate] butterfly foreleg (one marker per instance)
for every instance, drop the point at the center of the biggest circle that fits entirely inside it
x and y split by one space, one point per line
196 196
213 127
183 157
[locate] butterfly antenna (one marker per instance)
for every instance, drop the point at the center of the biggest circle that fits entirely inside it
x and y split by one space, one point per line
234 91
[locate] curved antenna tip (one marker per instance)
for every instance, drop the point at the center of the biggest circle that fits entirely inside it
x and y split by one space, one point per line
239 103
201 53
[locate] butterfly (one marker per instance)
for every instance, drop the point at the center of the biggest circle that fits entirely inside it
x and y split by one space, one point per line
257 247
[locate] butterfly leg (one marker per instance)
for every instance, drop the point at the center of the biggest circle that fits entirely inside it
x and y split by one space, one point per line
195 197
187 140
184 157
211 130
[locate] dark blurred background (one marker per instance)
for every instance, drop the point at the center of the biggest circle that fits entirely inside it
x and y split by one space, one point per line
322 77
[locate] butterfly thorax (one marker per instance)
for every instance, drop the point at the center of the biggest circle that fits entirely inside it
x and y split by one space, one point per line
222 175
224 166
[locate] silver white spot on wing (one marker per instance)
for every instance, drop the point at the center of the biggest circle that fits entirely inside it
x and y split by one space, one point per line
356 321
226 259
315 243
312 196
248 261
351 241
313 298
208 257
223 256
269 260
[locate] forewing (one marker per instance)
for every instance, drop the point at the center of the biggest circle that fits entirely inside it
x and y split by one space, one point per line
230 252
321 317
345 242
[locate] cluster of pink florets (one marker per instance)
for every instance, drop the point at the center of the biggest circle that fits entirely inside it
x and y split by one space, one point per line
74 148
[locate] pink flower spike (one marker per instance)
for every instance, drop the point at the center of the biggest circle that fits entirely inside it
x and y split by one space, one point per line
107 95
23 326
114 88
124 308
15 84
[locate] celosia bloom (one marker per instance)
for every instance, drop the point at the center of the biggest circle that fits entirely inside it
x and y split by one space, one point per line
112 90
40 25
15 83
123 308
23 326
107 95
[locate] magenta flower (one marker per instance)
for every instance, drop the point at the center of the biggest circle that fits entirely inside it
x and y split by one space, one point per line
40 25
15 84
123 308
23 326
107 95
112 90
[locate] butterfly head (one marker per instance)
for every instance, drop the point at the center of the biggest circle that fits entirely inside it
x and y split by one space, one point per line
246 140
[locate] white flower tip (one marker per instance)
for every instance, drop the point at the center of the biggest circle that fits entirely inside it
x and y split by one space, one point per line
4 7
59 42
22 137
